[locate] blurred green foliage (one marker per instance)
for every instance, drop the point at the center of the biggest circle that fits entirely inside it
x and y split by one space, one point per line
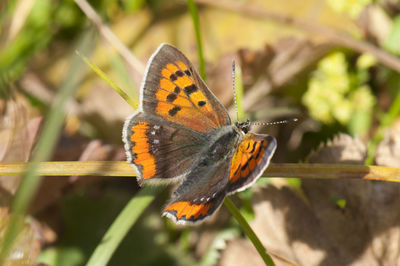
351 7
47 24
337 94
393 40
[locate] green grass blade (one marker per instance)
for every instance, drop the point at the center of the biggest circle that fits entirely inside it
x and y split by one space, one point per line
103 75
121 225
248 231
51 130
195 18
118 65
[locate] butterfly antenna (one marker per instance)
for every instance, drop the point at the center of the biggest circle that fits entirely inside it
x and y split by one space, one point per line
275 123
234 90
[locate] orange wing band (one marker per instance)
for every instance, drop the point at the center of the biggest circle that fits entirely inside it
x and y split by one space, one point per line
141 150
185 210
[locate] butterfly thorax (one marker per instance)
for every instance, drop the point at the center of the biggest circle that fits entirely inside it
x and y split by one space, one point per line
223 144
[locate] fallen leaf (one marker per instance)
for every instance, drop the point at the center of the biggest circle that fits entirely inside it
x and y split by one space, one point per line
388 150
27 246
17 137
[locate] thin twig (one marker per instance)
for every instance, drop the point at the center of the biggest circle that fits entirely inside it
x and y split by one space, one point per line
120 168
335 36
110 37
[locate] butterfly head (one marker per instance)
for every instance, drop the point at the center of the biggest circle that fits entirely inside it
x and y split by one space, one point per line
244 126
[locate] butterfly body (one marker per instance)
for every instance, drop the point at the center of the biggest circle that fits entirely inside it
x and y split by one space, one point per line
182 134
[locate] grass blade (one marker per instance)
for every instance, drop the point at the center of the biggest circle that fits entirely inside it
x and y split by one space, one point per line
248 231
121 225
46 143
195 18
120 68
103 75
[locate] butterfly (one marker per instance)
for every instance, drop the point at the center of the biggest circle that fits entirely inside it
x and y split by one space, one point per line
181 134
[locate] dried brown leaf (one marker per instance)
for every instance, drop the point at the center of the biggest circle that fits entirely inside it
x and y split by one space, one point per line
388 151
28 244
342 149
17 137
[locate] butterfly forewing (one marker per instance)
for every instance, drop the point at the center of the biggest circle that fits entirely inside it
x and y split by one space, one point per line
174 91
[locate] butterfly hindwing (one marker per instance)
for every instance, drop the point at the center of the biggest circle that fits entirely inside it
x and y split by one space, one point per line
186 211
250 160
160 150
204 189
174 91
201 193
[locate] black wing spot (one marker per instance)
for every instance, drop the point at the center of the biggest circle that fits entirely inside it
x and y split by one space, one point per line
264 143
190 89
179 73
171 97
245 166
174 111
188 73
177 90
237 170
254 147
251 158
173 77
201 103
